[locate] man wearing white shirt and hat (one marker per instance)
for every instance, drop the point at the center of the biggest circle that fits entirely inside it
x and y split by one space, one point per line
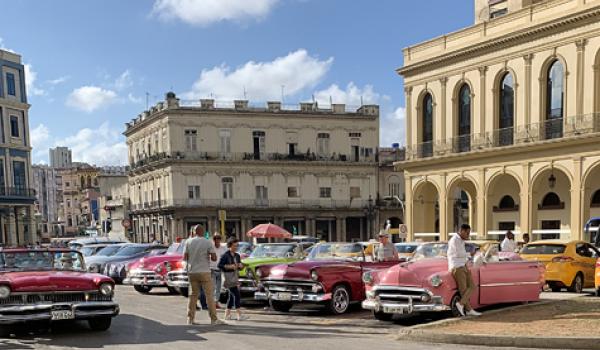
457 265
509 244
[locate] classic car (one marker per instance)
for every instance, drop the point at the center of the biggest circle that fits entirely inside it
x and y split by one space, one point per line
151 271
117 265
268 253
570 264
78 243
426 285
92 249
51 285
406 250
331 276
245 249
96 262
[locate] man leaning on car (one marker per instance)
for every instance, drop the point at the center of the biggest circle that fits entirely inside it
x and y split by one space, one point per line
457 265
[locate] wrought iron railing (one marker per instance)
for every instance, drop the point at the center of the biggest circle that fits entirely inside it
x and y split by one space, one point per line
251 203
23 192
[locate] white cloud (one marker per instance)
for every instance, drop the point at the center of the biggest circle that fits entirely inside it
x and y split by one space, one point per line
58 80
30 78
103 145
134 99
392 127
206 12
262 80
352 95
2 47
124 81
90 98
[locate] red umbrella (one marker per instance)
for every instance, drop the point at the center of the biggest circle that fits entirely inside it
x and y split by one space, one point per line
268 231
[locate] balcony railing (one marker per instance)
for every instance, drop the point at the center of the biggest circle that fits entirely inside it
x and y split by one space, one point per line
17 192
292 203
552 129
261 157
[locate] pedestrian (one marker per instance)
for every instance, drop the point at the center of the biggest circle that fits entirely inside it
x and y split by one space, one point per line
457 265
215 271
231 264
197 253
509 244
526 238
386 251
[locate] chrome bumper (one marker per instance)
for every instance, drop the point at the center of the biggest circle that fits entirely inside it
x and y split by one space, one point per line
145 278
43 312
408 307
177 279
247 286
293 297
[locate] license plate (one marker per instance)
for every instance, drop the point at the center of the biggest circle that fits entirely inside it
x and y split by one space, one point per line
284 296
393 310
62 315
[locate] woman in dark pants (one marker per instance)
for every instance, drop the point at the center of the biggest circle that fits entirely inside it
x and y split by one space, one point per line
231 264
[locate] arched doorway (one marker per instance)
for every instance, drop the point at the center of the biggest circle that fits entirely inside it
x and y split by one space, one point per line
551 205
502 202
462 205
426 211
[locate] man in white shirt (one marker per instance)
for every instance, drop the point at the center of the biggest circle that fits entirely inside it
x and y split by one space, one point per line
457 265
215 272
197 253
509 244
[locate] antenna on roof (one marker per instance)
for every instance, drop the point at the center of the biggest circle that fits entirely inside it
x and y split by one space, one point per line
282 94
245 98
330 100
361 101
147 97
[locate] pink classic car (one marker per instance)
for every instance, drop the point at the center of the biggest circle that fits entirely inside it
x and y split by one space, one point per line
151 271
427 285
45 285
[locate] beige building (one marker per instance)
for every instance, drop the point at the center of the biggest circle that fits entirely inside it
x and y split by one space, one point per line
78 208
114 205
503 123
309 169
17 223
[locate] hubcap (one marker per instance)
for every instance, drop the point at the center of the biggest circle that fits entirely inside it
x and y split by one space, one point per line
340 300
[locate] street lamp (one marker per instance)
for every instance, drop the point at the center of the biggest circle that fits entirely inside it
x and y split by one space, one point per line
397 199
370 210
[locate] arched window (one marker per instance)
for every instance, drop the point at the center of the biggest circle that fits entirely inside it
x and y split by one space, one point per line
427 136
596 199
555 94
464 119
227 187
507 110
82 181
507 202
551 201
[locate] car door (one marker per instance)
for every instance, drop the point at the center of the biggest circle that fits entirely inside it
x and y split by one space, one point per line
508 281
590 255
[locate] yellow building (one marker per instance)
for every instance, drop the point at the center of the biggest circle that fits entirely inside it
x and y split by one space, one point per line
503 123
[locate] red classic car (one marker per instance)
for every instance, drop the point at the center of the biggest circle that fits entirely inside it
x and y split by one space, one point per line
331 275
50 285
151 271
427 285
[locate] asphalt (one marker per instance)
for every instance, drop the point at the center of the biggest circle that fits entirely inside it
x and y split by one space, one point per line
157 321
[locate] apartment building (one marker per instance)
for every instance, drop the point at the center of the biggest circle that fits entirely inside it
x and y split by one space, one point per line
503 122
48 198
60 157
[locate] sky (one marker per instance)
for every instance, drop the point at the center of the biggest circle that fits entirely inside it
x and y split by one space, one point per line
92 65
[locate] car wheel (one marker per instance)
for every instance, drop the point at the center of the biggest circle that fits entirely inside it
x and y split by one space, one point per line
172 290
577 285
340 300
142 289
554 287
281 306
598 292
382 316
453 308
100 324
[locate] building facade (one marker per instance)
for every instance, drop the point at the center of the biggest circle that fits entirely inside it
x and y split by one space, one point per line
311 170
114 206
48 197
503 122
79 207
17 223
60 157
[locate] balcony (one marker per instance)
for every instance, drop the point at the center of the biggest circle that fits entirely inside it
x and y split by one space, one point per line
248 157
17 195
553 129
294 203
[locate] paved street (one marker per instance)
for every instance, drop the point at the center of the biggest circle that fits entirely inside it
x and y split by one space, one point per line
157 321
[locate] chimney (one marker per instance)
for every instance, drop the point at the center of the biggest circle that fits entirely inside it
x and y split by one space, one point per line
172 100
207 103
240 104
274 106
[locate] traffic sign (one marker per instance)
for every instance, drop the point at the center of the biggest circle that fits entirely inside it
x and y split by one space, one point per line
126 223
403 230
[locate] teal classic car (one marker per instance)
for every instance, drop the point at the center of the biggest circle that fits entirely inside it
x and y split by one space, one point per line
269 253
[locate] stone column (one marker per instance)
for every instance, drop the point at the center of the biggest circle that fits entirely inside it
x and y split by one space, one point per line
482 97
408 96
576 201
481 204
525 208
443 201
409 219
339 228
527 90
579 93
442 124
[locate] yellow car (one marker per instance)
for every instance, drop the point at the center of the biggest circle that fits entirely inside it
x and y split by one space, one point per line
570 264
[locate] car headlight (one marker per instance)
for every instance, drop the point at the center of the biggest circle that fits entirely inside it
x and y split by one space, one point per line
168 266
4 292
249 272
158 268
435 281
314 275
370 294
367 277
106 289
259 273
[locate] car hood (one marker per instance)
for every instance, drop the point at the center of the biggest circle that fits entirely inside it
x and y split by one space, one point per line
412 274
123 259
150 262
51 281
254 262
302 269
94 259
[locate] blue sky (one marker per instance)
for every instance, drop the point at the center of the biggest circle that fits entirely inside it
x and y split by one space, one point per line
90 63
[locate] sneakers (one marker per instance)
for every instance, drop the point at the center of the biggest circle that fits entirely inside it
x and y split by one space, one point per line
218 323
473 313
461 309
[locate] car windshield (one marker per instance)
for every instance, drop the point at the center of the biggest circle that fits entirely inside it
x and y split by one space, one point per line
352 251
406 248
38 260
131 250
435 250
245 248
88 251
175 248
272 250
543 249
109 250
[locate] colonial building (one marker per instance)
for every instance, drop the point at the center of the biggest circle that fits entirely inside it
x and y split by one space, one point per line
17 224
503 122
48 197
114 205
309 169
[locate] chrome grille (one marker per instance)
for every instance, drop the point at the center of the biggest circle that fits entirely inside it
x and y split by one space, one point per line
289 286
395 294
37 298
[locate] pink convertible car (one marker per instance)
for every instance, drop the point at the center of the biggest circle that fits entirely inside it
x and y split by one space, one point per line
426 285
